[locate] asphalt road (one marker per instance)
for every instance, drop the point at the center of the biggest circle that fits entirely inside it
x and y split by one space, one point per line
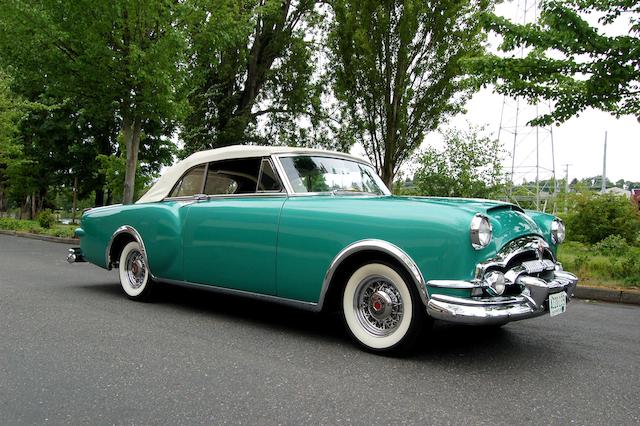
74 350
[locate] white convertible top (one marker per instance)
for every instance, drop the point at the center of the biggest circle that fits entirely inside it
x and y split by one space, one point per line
163 186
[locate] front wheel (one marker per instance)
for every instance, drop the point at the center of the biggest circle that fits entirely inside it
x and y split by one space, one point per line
382 312
134 273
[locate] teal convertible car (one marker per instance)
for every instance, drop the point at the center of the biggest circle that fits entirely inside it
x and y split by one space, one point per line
319 230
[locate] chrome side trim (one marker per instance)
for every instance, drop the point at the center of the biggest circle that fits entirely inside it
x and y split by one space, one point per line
307 306
126 229
379 246
223 196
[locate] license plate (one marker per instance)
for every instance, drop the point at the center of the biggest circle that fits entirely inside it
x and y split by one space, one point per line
557 303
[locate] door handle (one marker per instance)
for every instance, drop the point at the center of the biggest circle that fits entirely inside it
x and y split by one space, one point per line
201 197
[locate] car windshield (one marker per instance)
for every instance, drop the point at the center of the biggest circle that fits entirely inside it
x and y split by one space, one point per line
336 175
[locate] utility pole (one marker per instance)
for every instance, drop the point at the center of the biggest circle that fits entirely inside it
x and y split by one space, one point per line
566 184
603 187
533 169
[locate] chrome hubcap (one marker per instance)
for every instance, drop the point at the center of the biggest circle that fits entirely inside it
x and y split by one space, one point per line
136 269
378 305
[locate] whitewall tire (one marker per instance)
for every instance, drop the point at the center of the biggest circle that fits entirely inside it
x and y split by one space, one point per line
381 308
133 271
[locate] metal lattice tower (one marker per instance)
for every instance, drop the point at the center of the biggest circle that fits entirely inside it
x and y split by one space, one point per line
531 170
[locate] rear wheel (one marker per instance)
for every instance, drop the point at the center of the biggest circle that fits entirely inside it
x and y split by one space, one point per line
134 272
382 312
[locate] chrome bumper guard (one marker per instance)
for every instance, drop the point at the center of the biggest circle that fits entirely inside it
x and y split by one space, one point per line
532 302
75 255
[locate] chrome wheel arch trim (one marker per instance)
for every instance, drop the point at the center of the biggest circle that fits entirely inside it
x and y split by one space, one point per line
380 246
130 230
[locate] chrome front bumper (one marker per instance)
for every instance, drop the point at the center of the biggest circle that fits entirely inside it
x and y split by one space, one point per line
75 255
532 302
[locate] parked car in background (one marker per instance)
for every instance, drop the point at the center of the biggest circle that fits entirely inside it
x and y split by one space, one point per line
319 230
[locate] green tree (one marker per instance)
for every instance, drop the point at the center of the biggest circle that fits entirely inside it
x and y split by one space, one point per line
469 165
251 64
594 217
397 70
118 59
9 148
114 166
570 62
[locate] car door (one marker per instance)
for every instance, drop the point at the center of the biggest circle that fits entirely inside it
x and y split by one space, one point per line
230 237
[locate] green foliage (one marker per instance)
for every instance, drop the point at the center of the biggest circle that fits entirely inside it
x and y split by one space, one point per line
9 114
626 269
397 70
112 70
251 73
32 226
570 62
594 217
619 269
469 165
11 224
613 245
113 167
46 218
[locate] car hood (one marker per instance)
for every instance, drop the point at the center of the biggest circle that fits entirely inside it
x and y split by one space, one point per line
472 205
507 220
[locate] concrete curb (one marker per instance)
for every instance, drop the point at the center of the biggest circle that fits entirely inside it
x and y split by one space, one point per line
49 238
607 295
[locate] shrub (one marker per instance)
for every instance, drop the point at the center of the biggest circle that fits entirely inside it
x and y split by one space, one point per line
46 219
9 223
613 245
626 269
596 217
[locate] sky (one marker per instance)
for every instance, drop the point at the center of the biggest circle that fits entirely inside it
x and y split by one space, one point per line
578 142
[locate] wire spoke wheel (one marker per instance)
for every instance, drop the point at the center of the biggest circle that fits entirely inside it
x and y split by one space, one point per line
136 269
381 310
379 306
133 271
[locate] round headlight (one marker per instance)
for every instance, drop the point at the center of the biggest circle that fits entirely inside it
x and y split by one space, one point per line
557 231
481 231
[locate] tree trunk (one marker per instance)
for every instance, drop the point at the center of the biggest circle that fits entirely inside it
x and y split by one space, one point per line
99 198
32 212
387 175
131 133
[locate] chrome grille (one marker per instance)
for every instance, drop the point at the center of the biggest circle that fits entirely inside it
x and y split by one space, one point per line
532 253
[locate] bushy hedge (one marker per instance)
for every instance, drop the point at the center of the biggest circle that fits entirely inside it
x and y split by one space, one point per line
613 262
593 218
46 219
34 227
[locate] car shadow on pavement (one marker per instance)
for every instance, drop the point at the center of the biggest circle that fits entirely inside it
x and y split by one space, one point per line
442 341
237 308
